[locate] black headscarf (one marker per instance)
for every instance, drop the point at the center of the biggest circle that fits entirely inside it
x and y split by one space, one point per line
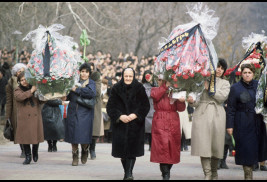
127 88
24 89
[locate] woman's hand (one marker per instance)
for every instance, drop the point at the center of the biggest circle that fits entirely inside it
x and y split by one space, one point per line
74 88
206 85
182 99
132 116
190 100
230 131
33 89
124 118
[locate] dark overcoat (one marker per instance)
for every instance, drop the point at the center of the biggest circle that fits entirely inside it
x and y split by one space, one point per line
241 116
53 121
3 83
128 138
79 121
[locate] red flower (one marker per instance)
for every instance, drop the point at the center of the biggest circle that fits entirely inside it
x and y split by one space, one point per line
179 74
174 78
147 77
191 75
238 73
44 81
257 65
53 78
175 85
174 68
32 66
185 77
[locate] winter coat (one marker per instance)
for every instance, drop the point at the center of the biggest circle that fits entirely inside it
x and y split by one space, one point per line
149 117
241 116
29 119
166 134
79 121
3 83
52 120
106 119
11 104
209 122
185 124
98 124
128 138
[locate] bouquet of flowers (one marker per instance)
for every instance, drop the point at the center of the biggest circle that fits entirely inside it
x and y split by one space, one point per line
53 66
255 54
187 58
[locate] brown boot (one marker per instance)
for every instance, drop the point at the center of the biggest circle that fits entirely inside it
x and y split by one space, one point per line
214 167
248 172
84 156
206 165
75 157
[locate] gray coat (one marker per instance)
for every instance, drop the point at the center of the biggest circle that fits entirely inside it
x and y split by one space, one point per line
149 117
209 122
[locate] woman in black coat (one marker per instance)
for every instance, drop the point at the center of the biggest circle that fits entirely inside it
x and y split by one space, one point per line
53 125
127 107
242 121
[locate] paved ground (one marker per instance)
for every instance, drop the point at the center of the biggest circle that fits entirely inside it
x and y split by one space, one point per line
57 165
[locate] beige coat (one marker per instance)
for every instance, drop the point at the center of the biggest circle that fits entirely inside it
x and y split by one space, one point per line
11 111
29 119
209 122
185 124
98 124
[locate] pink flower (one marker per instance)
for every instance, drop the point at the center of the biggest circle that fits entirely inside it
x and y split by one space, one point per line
175 85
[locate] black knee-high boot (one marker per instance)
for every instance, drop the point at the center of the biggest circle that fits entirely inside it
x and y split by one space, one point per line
28 156
22 155
35 152
165 170
129 165
149 141
54 148
92 149
50 145
223 164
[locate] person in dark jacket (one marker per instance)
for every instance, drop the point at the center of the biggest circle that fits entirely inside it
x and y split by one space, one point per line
3 83
127 108
243 122
53 125
79 122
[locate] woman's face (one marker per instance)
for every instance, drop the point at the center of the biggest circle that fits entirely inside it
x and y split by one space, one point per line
19 71
84 75
128 76
24 82
219 71
247 75
160 82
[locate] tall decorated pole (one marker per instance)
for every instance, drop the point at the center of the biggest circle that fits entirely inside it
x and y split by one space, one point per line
84 42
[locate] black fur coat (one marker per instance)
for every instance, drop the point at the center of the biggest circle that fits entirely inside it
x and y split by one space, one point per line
128 138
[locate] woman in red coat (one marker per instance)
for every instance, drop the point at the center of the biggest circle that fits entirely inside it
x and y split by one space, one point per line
166 133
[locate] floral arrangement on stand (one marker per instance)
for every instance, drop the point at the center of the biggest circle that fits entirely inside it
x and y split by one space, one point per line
53 66
187 58
255 58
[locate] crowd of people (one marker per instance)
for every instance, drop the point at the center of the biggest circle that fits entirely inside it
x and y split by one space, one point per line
130 107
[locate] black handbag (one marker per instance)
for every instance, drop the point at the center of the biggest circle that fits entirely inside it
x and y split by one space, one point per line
88 103
8 131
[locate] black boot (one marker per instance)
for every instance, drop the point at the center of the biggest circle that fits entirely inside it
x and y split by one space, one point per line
123 162
50 145
92 149
129 164
84 156
165 170
149 141
28 156
22 155
54 148
35 152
